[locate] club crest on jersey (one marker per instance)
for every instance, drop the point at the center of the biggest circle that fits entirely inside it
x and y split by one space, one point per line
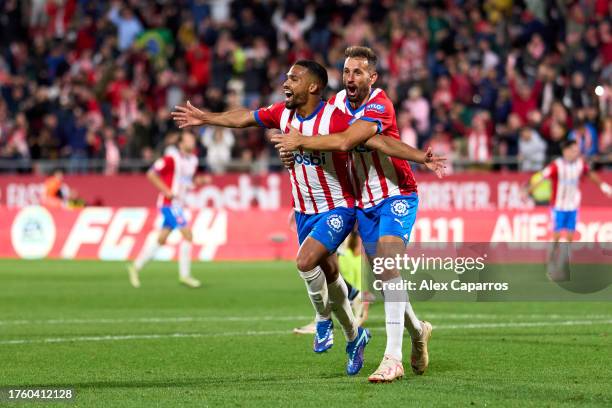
335 222
376 107
400 207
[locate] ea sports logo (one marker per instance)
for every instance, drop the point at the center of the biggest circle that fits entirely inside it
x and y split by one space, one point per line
33 233
400 207
335 222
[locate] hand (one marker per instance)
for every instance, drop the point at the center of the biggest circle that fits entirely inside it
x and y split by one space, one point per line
289 141
168 194
434 163
286 158
188 115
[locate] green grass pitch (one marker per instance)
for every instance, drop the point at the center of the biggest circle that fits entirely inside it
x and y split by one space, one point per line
80 325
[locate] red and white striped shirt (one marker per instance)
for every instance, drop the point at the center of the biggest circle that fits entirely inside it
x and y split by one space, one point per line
376 176
565 177
176 170
319 180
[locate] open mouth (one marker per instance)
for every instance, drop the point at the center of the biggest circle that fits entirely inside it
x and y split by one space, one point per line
351 91
288 94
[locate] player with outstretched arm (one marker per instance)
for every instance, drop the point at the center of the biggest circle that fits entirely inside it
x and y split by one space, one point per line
386 194
322 194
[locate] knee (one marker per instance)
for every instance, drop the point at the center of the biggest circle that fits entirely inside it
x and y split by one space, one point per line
304 262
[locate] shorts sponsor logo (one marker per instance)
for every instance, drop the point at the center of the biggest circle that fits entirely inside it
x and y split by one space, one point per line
335 222
400 207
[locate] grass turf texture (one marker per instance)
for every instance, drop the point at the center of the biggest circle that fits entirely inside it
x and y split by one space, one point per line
242 353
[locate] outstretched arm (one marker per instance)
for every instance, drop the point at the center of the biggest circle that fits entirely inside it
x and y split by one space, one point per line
396 148
189 115
605 187
356 134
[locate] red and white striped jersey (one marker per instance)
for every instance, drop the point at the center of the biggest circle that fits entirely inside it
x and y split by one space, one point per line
319 180
565 177
376 176
176 170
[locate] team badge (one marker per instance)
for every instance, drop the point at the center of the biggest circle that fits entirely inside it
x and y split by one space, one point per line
335 222
400 207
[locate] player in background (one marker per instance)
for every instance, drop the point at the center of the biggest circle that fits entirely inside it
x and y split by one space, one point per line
565 174
386 194
322 197
173 175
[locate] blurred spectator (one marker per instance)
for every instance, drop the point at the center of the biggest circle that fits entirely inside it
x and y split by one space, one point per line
218 142
55 189
290 28
128 25
112 155
71 70
479 142
532 150
585 134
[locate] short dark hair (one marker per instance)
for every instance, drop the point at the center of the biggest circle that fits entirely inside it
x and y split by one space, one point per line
358 51
567 143
315 69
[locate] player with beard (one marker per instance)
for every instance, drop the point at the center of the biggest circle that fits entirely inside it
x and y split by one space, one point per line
386 195
322 195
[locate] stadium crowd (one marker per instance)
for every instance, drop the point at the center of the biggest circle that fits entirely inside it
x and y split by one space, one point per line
475 79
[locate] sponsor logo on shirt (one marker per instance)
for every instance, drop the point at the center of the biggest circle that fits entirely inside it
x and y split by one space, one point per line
309 159
376 107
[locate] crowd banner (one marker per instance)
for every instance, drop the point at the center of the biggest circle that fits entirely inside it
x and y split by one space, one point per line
272 191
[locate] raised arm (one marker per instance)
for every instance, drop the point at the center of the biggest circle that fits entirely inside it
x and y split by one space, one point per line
396 148
603 186
189 115
356 134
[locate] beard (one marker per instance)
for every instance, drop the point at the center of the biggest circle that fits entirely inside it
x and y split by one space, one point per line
358 96
295 102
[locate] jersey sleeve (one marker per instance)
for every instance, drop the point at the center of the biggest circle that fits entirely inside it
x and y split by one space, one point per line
341 121
269 117
380 111
163 165
585 168
550 171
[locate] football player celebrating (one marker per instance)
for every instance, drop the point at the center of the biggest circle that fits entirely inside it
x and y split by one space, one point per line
322 195
386 197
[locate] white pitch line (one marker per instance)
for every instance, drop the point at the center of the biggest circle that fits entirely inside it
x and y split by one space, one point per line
184 319
190 319
281 332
